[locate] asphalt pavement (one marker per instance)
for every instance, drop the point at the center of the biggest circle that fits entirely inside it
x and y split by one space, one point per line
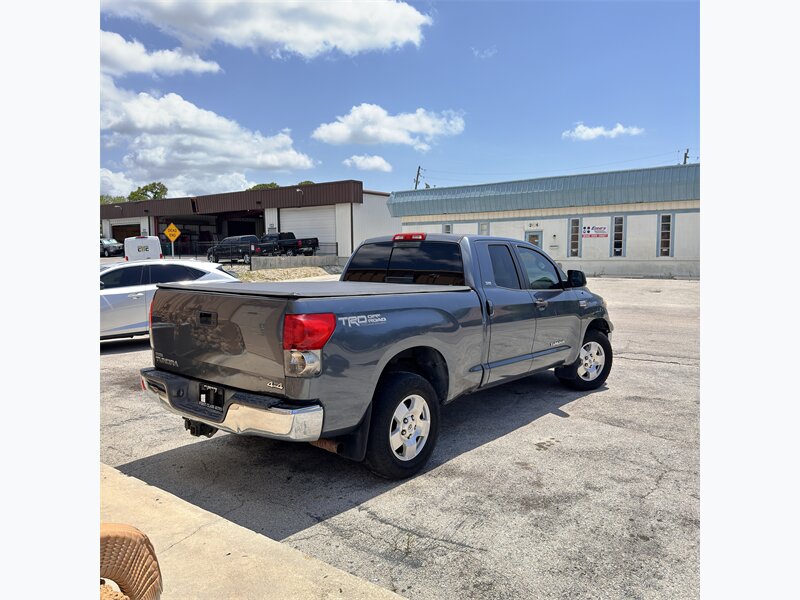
534 491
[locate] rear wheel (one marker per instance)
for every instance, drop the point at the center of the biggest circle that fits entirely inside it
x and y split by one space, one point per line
212 258
404 426
246 259
593 366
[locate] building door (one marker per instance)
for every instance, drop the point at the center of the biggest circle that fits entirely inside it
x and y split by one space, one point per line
120 232
313 221
534 237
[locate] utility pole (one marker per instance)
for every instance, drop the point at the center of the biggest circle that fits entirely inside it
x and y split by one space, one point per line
686 156
416 179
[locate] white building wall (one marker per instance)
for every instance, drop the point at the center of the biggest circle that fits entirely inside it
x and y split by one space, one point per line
595 248
687 235
343 229
641 241
465 228
372 219
423 228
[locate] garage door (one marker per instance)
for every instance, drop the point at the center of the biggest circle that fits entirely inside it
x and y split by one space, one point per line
314 221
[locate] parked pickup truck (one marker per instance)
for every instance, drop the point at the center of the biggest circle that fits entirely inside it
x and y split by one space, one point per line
362 365
274 244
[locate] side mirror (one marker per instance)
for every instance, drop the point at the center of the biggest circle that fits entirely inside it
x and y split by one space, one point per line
102 285
576 279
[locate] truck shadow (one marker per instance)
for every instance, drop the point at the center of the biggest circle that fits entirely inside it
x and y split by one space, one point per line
123 345
281 488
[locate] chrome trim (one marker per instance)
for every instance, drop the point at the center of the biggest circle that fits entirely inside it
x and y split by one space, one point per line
298 424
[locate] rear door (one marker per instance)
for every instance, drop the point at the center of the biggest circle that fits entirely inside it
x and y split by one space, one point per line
512 317
557 323
123 302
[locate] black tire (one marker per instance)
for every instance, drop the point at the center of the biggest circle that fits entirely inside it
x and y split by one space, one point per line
290 253
396 389
569 376
246 259
106 253
212 258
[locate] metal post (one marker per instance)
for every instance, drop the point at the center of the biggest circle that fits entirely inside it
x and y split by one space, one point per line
173 249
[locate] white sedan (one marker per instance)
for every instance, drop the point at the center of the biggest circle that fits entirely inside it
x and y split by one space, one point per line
126 290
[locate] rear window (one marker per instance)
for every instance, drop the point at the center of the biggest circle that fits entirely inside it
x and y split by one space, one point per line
436 263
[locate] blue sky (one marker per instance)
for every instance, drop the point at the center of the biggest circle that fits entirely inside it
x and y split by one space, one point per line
218 99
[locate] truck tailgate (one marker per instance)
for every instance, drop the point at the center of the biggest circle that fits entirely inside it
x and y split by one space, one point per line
232 340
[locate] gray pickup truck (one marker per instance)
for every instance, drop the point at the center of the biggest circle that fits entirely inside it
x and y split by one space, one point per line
361 366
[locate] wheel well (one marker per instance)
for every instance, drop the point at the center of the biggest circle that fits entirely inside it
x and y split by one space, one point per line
600 325
425 362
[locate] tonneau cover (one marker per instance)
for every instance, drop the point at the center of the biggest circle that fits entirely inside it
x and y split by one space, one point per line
314 289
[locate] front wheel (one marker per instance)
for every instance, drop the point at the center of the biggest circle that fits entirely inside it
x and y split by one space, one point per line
106 253
404 426
593 366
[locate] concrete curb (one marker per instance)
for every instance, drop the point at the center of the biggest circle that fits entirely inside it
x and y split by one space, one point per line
202 555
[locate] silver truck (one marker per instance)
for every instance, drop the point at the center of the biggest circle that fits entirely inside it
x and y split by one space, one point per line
361 366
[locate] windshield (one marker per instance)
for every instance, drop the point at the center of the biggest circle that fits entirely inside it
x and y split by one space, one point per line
109 241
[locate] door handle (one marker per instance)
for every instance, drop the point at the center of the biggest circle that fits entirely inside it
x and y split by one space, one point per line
540 304
489 308
136 295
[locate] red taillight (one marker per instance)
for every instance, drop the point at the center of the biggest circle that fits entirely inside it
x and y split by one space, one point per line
307 332
409 237
160 255
126 257
299 243
144 387
150 317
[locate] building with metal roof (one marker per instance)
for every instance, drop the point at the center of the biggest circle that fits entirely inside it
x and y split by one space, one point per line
340 214
633 222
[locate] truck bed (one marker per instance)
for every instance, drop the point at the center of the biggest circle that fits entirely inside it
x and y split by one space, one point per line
316 289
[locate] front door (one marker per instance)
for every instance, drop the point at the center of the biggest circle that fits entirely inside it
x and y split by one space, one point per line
534 237
511 314
558 327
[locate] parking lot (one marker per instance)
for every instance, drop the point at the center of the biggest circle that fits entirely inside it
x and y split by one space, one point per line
534 491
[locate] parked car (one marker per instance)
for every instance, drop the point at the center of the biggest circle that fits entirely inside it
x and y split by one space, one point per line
237 247
110 247
143 247
274 244
361 366
126 290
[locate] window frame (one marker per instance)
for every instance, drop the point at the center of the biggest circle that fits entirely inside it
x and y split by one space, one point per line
556 271
570 221
444 225
116 287
659 223
488 228
511 254
624 239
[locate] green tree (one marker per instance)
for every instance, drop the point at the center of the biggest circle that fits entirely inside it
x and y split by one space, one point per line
109 199
264 186
306 183
152 191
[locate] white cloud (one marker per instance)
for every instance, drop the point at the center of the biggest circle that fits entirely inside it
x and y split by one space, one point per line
189 149
371 124
115 184
584 133
119 56
487 53
365 162
304 28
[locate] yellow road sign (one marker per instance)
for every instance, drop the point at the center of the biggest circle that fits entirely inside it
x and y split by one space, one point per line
172 232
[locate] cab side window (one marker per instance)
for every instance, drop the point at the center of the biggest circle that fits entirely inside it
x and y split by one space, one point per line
541 273
122 277
505 273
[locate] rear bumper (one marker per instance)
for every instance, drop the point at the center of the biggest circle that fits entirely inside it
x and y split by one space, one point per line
243 413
